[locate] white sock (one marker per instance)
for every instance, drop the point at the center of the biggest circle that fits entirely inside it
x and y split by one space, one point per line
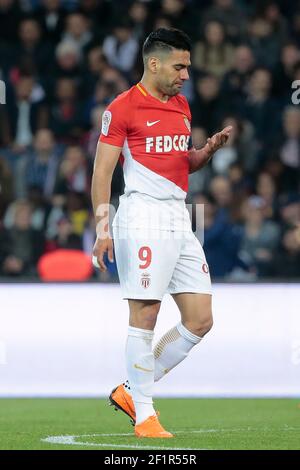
172 348
140 370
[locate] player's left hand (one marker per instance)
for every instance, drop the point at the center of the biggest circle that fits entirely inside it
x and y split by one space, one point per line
217 140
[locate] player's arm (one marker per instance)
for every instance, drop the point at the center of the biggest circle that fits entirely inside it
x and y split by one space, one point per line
199 158
105 162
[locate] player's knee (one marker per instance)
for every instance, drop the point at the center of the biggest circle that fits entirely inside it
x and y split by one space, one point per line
144 318
207 324
148 320
202 325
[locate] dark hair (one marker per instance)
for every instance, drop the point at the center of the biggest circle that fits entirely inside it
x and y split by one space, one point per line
165 40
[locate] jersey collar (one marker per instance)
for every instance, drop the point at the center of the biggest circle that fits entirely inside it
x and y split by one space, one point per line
142 89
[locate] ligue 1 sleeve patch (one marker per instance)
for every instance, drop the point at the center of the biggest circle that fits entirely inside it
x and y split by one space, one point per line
106 120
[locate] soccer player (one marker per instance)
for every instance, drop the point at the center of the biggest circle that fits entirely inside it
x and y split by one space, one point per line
148 127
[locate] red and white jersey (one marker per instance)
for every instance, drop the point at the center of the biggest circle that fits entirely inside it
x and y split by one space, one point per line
154 137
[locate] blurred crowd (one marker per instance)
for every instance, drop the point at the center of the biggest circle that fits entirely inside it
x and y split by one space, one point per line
64 61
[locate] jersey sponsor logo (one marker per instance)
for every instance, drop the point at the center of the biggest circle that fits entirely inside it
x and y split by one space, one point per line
106 120
145 280
149 124
166 143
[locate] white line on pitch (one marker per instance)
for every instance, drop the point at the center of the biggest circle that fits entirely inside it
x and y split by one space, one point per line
70 440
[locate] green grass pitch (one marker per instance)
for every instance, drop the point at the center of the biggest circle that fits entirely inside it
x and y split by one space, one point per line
196 423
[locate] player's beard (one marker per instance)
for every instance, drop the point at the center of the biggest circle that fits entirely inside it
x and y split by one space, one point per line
169 89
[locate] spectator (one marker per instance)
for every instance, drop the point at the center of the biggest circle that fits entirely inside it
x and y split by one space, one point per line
26 114
20 246
77 211
50 15
295 26
214 54
121 48
95 67
260 109
38 168
78 30
290 210
65 112
179 15
271 12
221 239
241 186
6 186
264 41
221 191
230 14
10 16
236 79
266 189
228 203
40 208
240 147
260 238
93 135
289 150
286 262
73 205
65 239
68 60
33 55
284 71
101 15
108 87
208 106
162 21
139 17
74 173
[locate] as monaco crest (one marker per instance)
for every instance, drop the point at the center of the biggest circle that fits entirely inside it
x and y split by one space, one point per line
187 123
145 280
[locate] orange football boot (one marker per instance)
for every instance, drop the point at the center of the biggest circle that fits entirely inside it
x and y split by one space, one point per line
121 400
151 427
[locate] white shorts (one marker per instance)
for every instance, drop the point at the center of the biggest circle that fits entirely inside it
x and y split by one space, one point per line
154 262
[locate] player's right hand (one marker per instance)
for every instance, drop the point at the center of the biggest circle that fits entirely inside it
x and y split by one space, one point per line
102 246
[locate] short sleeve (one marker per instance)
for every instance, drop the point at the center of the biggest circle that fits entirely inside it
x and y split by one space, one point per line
114 124
187 109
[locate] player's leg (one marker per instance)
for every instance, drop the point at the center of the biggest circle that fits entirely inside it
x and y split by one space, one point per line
172 348
145 269
139 362
140 366
175 345
136 400
191 289
196 312
139 355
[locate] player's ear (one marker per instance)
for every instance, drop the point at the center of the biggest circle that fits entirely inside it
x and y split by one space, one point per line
153 64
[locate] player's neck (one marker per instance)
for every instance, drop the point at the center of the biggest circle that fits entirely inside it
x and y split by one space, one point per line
152 90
